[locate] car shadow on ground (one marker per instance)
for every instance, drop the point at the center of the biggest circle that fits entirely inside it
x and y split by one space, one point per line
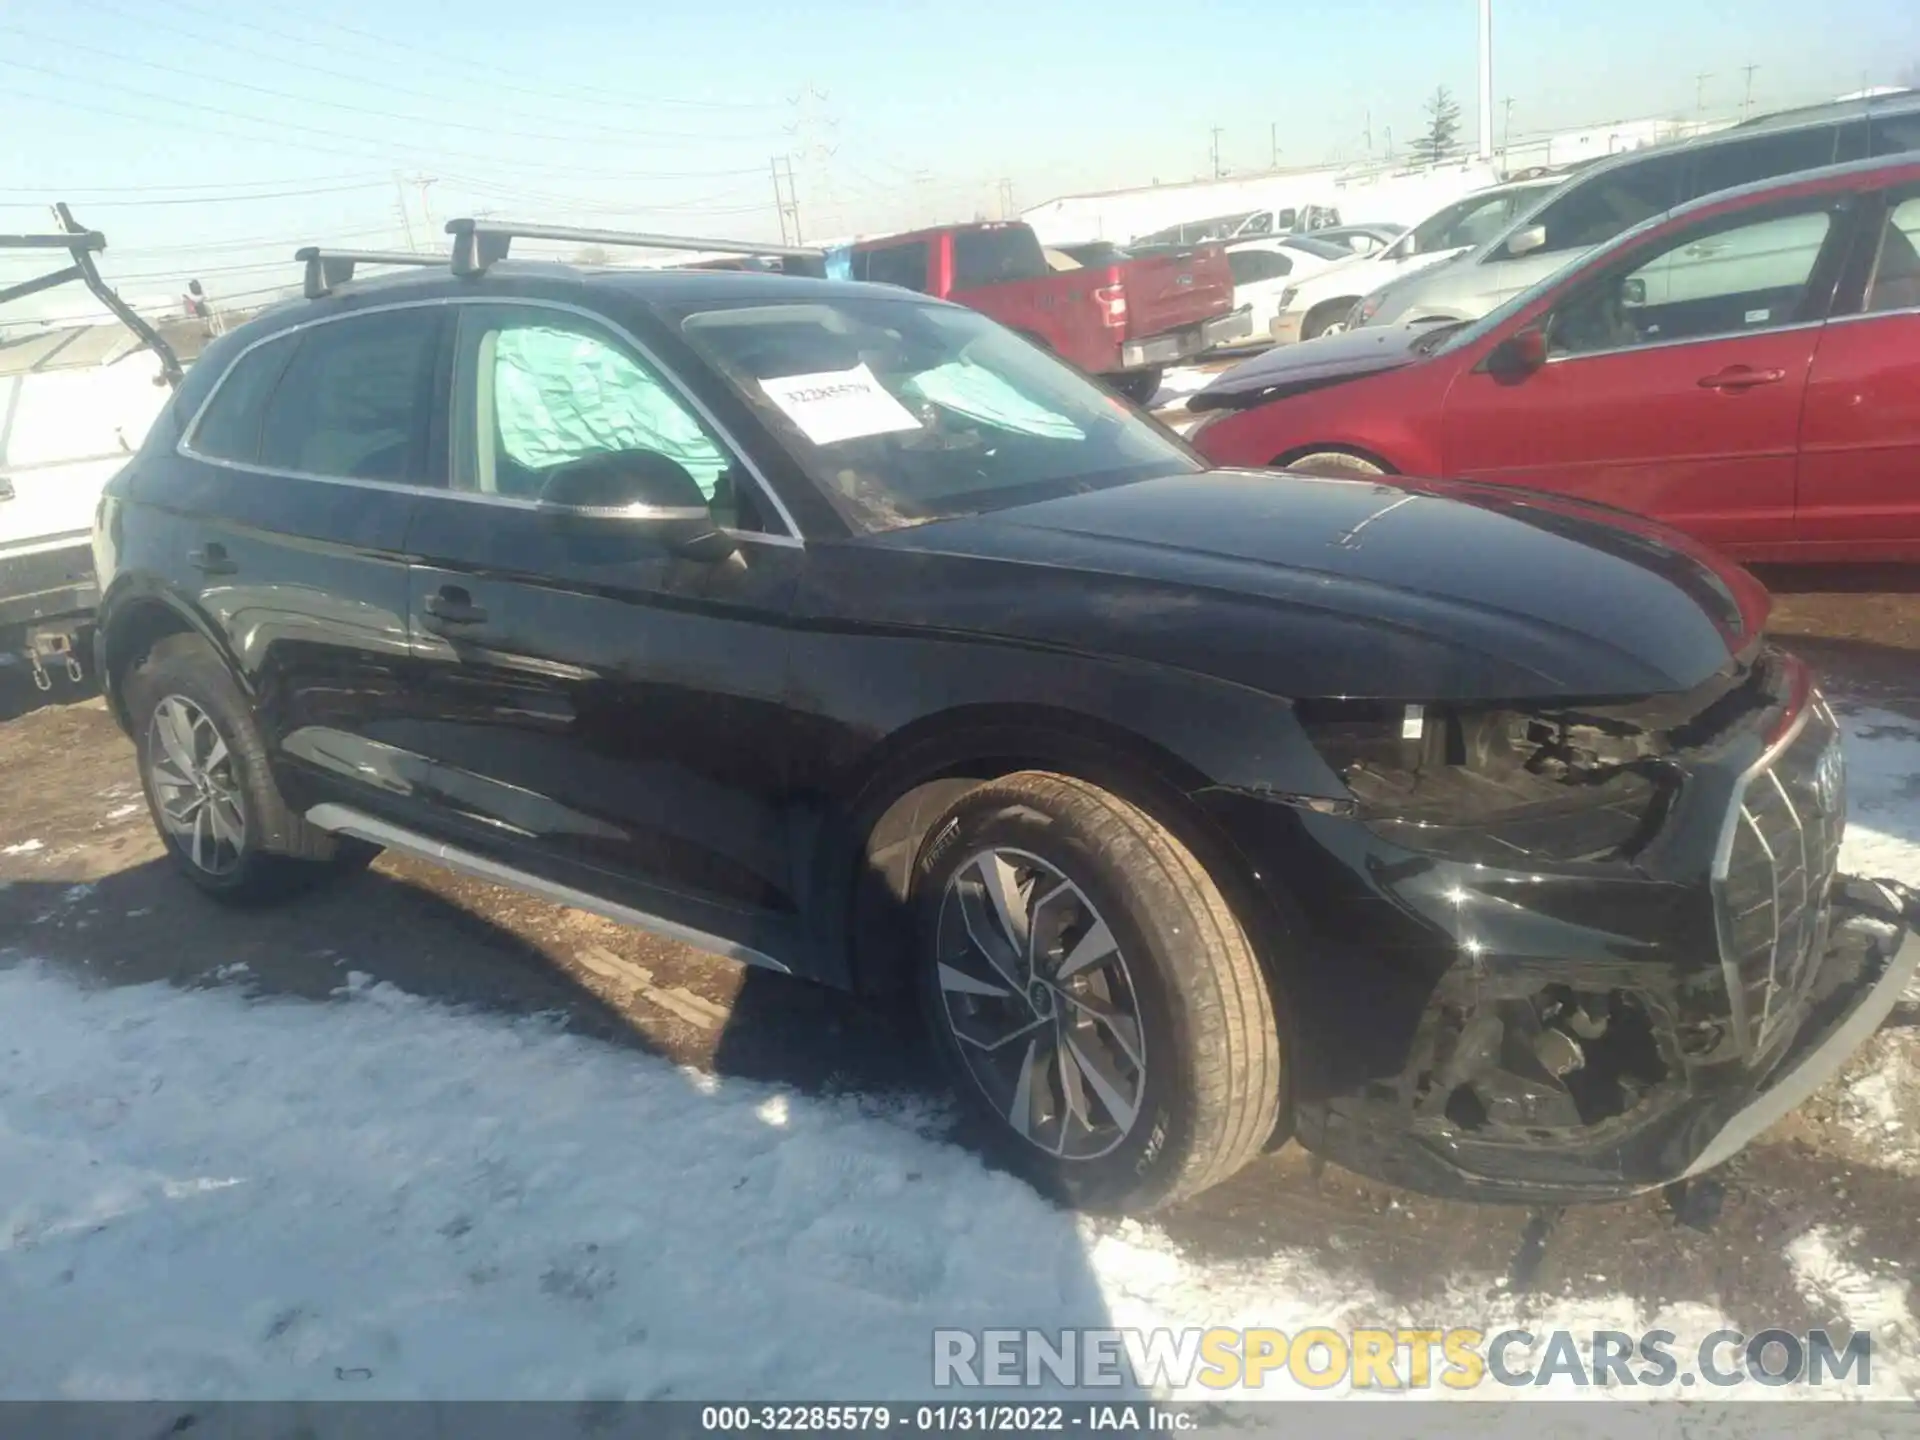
848 1227
100 904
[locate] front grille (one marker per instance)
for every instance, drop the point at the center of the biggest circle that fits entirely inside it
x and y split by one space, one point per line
1774 875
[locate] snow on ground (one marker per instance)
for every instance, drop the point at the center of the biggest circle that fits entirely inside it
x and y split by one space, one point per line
1180 382
204 1194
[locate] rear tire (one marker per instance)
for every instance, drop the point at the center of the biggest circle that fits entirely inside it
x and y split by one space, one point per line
1139 386
1092 996
1334 462
203 767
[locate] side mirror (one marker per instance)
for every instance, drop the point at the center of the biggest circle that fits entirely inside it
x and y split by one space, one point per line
1518 356
642 489
1525 242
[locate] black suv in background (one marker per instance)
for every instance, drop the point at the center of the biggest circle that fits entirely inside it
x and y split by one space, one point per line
1475 837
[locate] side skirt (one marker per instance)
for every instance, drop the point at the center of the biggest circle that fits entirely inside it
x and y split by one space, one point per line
345 820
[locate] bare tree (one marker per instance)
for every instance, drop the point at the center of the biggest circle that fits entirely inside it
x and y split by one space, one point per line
1443 127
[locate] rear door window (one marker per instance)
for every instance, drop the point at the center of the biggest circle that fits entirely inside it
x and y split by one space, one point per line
995 256
1764 157
902 265
357 399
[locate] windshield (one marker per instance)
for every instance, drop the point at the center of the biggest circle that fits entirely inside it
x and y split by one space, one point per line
905 412
1324 249
1445 338
1467 223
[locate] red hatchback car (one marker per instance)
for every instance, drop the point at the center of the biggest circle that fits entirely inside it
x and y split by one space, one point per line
1746 368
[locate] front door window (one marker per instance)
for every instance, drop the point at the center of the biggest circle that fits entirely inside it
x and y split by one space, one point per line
1722 278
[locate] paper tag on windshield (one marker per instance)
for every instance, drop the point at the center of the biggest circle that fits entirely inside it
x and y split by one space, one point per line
834 405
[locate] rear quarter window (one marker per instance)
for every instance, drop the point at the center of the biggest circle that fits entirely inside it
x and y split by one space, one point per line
230 428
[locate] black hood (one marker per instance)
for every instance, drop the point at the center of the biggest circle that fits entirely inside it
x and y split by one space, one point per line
1288 369
1301 585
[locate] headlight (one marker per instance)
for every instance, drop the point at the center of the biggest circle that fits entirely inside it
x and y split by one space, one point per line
1497 786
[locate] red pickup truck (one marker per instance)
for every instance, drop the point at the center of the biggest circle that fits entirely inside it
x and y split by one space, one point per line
1124 320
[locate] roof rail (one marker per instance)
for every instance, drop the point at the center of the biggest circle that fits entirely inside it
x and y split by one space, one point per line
83 245
478 244
328 268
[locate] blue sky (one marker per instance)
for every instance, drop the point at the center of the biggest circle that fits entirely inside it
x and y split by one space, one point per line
210 136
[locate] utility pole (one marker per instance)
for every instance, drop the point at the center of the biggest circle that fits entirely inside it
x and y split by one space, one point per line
786 200
1273 140
1700 91
1746 101
426 210
1218 173
1368 132
1006 198
1506 124
406 219
1486 79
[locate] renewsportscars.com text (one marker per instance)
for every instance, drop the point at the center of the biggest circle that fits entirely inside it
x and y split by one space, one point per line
1460 1358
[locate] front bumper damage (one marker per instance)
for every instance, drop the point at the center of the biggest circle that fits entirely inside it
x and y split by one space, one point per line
1548 1031
1645 1113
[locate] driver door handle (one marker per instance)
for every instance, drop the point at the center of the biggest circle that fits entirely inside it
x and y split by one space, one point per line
451 605
1741 377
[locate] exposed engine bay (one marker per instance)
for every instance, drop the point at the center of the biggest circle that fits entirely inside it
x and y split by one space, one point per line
1563 782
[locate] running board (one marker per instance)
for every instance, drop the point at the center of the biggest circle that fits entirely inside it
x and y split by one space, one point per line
345 820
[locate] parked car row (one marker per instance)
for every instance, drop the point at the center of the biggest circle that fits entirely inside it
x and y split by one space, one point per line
1608 198
1745 368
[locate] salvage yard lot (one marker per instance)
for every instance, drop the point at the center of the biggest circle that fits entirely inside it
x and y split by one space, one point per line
419 1136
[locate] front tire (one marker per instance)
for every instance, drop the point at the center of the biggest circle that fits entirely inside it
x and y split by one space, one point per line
203 766
1327 318
1092 996
1338 463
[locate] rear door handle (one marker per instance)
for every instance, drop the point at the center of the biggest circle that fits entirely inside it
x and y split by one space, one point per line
450 605
1741 377
211 559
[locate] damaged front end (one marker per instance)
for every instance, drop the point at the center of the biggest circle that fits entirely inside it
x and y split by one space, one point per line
1579 950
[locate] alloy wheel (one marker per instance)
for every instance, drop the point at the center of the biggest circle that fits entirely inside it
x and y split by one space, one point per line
195 788
1037 995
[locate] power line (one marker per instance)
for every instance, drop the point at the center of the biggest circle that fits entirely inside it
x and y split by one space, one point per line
495 73
81 191
92 204
203 76
285 141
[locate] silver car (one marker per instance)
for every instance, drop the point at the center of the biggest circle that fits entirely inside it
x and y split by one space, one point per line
1611 197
